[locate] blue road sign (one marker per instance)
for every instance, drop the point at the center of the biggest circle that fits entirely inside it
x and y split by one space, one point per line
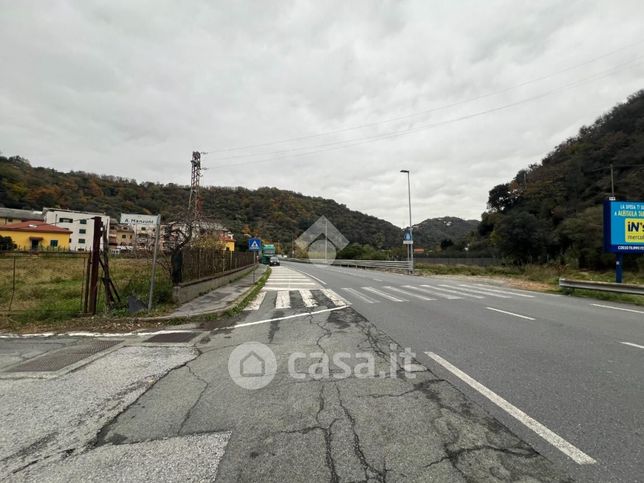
624 226
254 244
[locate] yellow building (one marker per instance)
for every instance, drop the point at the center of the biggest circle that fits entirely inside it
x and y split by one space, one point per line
36 235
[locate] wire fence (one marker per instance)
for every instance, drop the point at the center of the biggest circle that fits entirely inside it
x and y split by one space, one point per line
49 286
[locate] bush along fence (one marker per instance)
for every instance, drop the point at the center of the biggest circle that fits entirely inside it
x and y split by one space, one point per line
191 264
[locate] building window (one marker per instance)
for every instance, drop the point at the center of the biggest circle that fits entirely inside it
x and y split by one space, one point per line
81 241
83 222
66 220
122 236
53 243
82 231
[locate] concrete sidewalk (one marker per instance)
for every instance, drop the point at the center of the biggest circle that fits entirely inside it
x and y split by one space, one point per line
220 299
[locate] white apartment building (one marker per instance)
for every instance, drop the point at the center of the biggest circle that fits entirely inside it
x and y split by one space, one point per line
80 223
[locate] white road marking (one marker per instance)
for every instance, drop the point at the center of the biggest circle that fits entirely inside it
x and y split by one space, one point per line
489 294
286 317
432 292
383 294
312 276
405 292
334 297
254 305
283 300
362 297
480 287
515 291
511 313
618 308
454 291
633 345
307 298
574 453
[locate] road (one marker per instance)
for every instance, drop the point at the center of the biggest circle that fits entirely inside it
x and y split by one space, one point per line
574 365
504 385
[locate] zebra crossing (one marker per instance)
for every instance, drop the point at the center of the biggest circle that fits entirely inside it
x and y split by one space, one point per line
289 289
428 292
308 298
299 298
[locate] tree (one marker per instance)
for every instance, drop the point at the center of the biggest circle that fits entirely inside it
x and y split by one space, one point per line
521 237
445 244
6 243
502 197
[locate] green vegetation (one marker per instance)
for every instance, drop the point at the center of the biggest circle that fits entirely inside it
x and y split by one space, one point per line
552 210
49 287
259 285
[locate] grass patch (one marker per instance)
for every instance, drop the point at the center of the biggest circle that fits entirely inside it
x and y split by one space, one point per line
259 285
48 288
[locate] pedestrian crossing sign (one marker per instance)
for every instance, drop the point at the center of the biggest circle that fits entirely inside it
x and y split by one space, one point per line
254 244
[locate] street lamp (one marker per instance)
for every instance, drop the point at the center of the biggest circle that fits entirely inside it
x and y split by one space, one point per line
410 256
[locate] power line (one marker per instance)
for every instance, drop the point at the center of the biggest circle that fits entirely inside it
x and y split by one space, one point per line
427 111
419 127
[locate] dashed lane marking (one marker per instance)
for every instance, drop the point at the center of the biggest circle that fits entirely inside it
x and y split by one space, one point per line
511 313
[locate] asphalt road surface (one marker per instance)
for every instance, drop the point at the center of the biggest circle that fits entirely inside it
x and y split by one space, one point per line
566 374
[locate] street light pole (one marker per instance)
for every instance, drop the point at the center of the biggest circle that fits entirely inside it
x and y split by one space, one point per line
411 230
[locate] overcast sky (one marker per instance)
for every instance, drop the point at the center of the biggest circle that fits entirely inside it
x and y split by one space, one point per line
462 93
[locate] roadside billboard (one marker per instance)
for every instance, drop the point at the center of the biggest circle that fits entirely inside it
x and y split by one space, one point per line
624 226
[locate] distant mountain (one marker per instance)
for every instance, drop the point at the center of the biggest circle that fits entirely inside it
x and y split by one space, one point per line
273 214
431 232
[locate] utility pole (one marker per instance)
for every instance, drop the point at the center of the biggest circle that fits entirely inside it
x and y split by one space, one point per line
193 201
411 229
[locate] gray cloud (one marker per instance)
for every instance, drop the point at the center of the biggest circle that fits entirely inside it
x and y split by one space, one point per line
132 88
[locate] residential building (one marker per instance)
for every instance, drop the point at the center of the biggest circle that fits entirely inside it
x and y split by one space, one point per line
121 235
12 215
37 235
204 230
80 223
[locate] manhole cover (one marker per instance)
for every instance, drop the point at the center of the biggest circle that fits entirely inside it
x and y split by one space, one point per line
54 361
173 337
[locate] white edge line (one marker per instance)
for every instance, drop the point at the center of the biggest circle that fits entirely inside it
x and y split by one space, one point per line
633 345
574 453
265 321
93 334
618 308
511 313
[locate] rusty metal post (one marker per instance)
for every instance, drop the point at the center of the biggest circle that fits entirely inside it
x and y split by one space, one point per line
95 256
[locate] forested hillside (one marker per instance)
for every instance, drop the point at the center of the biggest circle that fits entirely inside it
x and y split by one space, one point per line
446 230
273 214
552 210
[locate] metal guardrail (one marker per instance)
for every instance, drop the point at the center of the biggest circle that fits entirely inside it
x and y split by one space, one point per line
602 286
377 264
